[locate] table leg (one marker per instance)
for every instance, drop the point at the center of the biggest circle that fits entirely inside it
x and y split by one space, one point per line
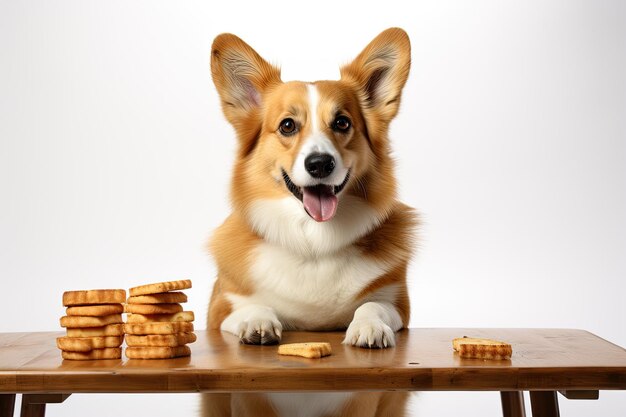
7 405
544 403
34 405
513 403
32 410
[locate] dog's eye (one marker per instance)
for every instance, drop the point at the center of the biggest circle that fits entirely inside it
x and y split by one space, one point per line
288 127
341 124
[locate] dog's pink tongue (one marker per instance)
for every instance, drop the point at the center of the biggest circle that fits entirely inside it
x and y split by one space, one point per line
320 203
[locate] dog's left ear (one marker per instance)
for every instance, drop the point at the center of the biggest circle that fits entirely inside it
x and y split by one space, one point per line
379 73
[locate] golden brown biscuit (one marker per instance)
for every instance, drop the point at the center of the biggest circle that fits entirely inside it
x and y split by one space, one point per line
110 330
106 353
160 287
153 308
470 347
158 328
88 321
307 350
171 340
89 297
95 310
160 352
161 298
159 318
85 344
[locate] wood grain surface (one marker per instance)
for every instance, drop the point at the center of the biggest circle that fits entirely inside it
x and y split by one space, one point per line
543 359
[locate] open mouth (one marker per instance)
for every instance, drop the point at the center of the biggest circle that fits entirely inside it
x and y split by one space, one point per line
320 201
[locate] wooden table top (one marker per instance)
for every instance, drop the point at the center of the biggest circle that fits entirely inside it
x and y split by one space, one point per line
543 359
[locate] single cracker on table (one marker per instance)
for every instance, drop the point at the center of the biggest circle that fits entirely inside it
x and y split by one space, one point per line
89 321
110 330
162 298
86 344
89 297
106 353
95 310
308 350
158 328
160 287
169 308
477 348
160 352
156 318
171 340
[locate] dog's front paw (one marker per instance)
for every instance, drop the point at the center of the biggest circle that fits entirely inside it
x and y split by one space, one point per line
369 333
260 331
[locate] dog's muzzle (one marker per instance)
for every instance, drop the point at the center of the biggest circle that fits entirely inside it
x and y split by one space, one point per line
320 201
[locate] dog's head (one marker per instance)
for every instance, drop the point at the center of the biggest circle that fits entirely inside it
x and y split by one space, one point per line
315 142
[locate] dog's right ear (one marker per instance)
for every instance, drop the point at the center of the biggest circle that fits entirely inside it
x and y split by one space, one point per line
241 77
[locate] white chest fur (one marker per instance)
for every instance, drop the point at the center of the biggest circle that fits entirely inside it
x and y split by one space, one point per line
317 293
311 293
284 222
307 272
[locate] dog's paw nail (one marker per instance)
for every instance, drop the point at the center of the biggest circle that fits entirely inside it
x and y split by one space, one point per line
260 332
369 334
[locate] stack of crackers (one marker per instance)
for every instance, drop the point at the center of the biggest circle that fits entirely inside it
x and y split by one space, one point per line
156 325
94 324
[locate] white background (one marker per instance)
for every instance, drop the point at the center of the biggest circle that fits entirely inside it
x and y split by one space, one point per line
511 141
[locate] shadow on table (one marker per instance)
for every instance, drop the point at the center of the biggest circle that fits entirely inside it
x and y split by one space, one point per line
286 404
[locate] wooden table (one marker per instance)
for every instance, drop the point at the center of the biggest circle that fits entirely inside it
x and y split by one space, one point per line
575 363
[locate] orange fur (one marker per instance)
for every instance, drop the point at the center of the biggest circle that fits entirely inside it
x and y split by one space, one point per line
230 246
255 101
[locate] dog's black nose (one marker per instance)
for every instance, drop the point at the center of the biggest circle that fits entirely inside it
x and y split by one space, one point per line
319 165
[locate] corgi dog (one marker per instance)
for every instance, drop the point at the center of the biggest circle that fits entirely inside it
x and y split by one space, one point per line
317 239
